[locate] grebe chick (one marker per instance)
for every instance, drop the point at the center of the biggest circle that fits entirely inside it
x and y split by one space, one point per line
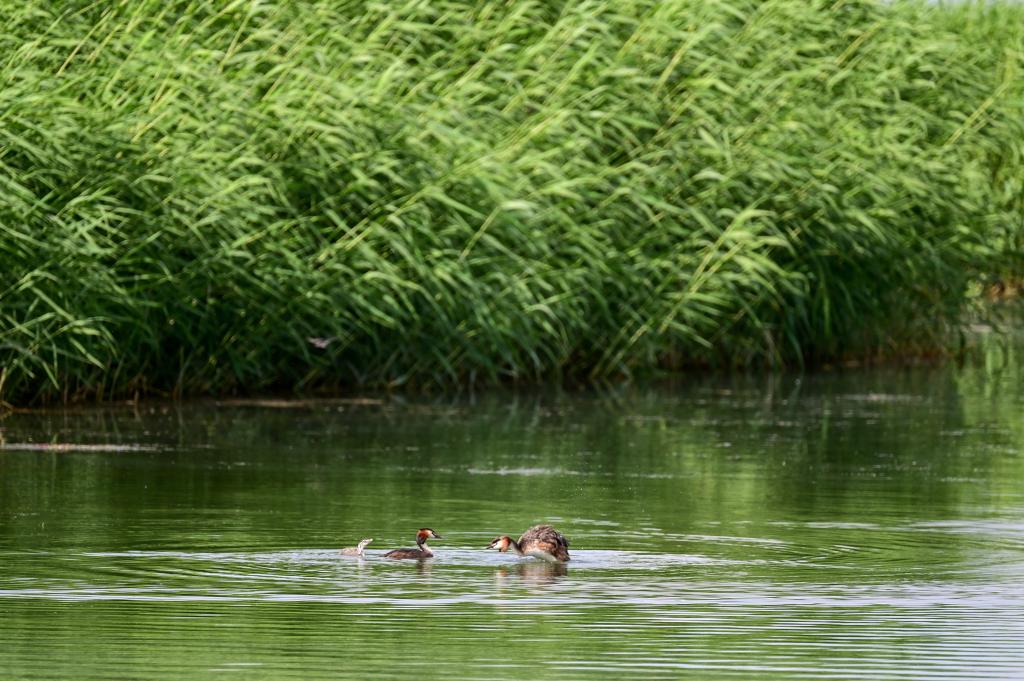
422 550
356 550
540 541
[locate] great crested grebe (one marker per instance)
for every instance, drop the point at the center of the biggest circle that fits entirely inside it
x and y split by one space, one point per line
540 541
356 550
422 550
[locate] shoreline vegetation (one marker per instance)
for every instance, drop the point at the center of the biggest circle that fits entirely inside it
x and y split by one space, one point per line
221 198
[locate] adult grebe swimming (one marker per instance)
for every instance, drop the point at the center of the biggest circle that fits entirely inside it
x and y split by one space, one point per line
540 541
356 550
422 550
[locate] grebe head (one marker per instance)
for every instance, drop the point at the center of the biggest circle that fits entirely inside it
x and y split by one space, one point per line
364 542
502 543
426 533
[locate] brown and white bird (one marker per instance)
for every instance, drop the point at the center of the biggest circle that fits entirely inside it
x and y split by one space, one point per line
356 550
540 541
421 551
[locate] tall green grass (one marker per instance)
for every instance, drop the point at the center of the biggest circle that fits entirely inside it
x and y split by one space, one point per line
453 191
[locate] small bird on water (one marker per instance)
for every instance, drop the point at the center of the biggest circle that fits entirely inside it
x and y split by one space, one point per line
421 551
540 541
356 550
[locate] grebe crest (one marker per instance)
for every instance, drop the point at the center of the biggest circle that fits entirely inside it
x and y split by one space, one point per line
540 541
356 550
502 543
421 551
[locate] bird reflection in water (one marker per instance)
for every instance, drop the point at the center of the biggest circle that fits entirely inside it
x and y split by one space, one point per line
532 573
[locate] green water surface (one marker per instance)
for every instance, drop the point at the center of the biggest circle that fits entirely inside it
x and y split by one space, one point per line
865 524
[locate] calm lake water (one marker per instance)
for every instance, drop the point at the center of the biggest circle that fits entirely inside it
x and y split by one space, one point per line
865 524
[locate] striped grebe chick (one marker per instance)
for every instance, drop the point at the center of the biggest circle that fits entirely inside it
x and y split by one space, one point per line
356 550
421 551
540 541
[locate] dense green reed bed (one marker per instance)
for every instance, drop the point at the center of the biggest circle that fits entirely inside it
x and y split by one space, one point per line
487 191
